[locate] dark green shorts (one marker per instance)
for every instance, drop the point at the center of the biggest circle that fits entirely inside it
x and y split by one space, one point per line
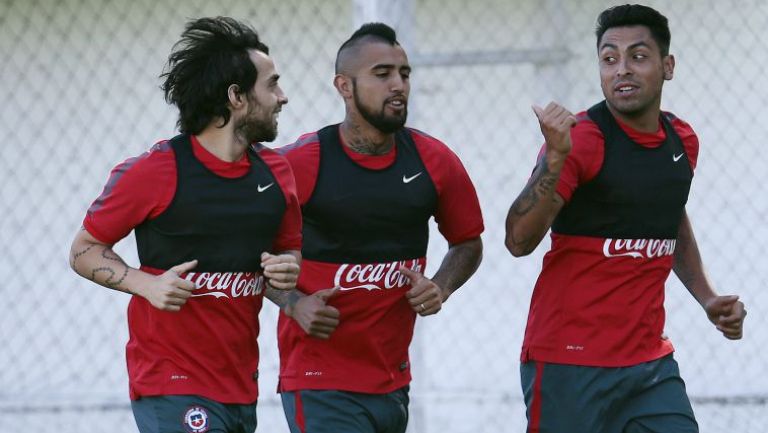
321 411
192 414
644 398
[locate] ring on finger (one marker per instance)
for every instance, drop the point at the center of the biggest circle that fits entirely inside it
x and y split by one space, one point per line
423 308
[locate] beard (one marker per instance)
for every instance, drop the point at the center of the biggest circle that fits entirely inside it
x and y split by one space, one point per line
379 120
253 128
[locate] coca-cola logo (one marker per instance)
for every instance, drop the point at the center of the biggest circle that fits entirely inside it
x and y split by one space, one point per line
639 248
374 276
226 284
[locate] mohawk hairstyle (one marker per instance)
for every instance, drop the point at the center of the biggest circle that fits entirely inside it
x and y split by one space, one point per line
378 32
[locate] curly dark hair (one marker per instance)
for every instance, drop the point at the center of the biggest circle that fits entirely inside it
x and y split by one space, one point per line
211 55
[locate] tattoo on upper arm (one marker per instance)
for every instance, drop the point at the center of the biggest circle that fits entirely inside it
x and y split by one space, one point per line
77 255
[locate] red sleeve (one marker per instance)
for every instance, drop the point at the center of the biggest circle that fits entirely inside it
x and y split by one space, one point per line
304 158
289 235
138 189
585 159
689 138
458 214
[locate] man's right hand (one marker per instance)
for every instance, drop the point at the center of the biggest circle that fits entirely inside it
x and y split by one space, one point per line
168 291
314 315
555 123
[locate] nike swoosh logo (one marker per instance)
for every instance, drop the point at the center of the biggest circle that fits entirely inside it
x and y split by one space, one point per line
409 179
264 188
677 157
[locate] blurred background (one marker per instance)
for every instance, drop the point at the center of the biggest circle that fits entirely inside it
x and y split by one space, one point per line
80 93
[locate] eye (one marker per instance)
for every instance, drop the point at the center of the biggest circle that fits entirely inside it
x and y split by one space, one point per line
640 56
609 59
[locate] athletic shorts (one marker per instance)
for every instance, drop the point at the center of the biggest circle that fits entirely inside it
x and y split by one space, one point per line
327 411
192 414
644 398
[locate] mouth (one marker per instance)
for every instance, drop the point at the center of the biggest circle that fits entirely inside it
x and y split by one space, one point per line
625 89
397 103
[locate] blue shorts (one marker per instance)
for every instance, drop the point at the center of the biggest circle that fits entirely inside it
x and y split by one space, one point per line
644 398
326 411
192 414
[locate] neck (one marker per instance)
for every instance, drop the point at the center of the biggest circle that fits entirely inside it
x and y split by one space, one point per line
223 142
647 121
363 138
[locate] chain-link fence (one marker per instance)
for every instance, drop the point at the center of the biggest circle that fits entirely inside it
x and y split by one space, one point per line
80 94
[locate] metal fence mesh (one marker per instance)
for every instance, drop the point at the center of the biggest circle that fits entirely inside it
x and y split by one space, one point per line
80 92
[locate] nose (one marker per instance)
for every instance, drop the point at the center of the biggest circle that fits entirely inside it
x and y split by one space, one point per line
622 67
397 84
282 99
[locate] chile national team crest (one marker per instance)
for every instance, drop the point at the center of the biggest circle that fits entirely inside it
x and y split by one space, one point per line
196 420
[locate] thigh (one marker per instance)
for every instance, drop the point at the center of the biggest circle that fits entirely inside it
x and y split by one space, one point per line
662 424
246 421
567 398
328 411
660 404
179 414
389 411
325 411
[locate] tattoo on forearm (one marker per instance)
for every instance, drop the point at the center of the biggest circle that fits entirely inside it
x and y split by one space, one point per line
111 275
542 183
458 265
537 194
282 298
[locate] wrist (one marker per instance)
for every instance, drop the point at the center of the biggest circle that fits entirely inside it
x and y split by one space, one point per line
288 310
555 161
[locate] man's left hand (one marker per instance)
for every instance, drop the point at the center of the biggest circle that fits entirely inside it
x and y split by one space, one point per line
282 270
425 296
727 313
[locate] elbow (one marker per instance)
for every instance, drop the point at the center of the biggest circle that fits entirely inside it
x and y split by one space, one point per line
517 249
72 257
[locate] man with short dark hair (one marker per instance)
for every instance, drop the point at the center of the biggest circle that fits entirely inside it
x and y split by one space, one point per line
612 183
217 224
368 187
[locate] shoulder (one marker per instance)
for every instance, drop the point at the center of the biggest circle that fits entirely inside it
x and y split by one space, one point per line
278 164
586 134
302 153
305 143
682 128
687 136
431 147
153 162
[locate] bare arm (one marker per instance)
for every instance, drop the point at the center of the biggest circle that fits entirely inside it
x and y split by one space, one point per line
727 313
96 261
284 297
311 312
460 262
533 211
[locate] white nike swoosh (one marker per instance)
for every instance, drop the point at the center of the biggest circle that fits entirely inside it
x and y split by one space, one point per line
409 179
214 294
264 188
677 157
